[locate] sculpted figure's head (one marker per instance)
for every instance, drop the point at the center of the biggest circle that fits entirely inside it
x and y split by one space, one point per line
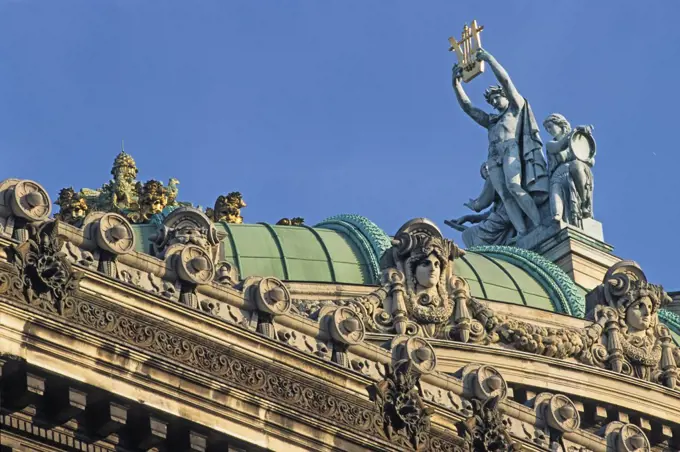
639 315
639 307
428 271
556 125
496 97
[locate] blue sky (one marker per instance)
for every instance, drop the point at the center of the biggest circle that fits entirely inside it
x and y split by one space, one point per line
314 108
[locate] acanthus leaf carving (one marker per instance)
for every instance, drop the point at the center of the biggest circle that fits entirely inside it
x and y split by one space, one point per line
398 396
45 277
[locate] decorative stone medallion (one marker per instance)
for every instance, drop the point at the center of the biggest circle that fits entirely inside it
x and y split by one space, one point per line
558 411
346 326
114 234
29 200
195 265
272 296
632 439
417 351
489 382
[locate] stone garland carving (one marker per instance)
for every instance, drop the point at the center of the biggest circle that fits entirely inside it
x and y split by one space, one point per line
60 282
420 295
406 418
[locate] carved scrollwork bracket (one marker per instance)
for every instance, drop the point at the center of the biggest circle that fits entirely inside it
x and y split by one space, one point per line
557 411
406 418
114 237
486 429
194 267
345 328
45 277
622 437
270 297
22 202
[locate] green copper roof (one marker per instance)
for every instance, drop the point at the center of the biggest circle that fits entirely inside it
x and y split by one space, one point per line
294 253
347 249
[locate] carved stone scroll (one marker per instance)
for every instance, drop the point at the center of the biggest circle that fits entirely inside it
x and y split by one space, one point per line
557 411
22 202
406 418
626 438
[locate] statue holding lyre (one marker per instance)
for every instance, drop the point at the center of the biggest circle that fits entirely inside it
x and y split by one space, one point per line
515 162
466 51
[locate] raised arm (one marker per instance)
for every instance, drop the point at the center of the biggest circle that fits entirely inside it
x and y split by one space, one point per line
480 116
515 99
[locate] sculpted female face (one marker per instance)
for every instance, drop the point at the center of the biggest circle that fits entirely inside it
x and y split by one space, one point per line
639 314
428 271
553 129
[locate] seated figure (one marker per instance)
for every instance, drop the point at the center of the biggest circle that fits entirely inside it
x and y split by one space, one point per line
571 178
492 227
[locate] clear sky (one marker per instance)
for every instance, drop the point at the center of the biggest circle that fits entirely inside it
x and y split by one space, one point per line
315 108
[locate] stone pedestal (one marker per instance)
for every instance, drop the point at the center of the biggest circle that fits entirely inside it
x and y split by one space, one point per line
581 253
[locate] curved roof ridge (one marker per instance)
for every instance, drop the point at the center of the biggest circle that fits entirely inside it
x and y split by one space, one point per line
567 298
368 236
670 319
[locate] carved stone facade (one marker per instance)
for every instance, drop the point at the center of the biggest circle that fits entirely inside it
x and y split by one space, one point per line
417 363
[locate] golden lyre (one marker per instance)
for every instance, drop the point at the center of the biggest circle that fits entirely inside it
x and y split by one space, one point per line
466 49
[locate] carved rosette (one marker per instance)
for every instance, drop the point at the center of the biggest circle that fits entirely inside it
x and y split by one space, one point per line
626 438
558 412
272 296
194 265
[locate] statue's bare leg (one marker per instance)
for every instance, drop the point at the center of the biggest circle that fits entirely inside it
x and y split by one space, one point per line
497 176
582 176
512 167
556 204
